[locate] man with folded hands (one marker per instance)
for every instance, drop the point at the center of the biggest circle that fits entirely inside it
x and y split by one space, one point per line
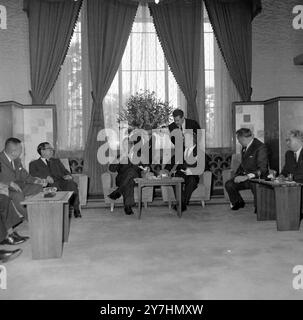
52 169
254 164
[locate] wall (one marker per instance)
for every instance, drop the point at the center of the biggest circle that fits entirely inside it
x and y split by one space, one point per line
275 44
14 54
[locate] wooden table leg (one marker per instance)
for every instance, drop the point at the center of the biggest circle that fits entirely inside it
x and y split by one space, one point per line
66 222
266 207
46 230
139 200
179 199
288 205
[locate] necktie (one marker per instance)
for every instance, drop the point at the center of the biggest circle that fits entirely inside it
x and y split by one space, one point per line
47 162
295 154
244 149
12 164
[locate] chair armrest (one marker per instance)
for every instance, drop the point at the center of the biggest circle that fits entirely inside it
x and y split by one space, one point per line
205 178
227 174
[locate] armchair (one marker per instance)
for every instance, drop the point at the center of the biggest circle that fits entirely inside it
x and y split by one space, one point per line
109 184
227 174
80 179
202 193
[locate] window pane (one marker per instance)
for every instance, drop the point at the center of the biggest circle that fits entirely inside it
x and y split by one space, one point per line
209 50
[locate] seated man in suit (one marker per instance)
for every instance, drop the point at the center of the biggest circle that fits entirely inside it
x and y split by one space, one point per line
10 219
186 171
254 163
127 172
294 156
53 170
5 215
12 173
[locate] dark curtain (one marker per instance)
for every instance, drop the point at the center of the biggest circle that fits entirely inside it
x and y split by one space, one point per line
178 25
109 26
51 25
231 21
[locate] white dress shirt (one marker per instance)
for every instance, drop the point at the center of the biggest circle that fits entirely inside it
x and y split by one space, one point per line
10 160
44 160
297 153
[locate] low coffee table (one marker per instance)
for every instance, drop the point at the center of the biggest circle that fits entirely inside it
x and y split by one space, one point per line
49 223
280 202
143 182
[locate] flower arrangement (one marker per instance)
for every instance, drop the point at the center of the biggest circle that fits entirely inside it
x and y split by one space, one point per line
144 111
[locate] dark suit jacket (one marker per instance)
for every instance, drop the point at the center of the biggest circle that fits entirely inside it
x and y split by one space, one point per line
8 174
189 124
183 166
124 170
291 166
255 158
56 169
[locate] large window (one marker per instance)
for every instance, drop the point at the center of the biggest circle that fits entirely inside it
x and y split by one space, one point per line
143 67
209 70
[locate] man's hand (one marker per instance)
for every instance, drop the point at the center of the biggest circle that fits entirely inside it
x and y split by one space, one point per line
14 186
239 179
68 177
50 180
43 182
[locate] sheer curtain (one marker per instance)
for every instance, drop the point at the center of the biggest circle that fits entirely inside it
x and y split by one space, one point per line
220 92
143 67
71 93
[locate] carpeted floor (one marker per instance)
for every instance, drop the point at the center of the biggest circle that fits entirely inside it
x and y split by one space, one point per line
210 253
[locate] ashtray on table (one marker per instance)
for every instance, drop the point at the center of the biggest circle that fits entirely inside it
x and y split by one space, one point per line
49 192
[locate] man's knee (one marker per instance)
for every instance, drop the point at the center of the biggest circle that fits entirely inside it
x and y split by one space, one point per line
229 184
71 186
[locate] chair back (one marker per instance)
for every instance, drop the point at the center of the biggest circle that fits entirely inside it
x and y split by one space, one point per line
235 161
65 162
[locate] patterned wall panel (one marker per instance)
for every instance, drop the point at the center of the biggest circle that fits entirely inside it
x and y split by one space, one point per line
38 127
249 115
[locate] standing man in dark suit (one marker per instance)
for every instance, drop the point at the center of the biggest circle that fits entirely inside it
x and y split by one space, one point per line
294 156
12 173
254 163
53 170
182 123
187 127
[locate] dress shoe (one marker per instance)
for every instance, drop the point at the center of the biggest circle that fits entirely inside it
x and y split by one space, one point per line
10 240
114 195
17 236
9 255
77 214
183 208
238 205
128 210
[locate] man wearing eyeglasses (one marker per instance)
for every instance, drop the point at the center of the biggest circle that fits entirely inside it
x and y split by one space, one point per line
52 169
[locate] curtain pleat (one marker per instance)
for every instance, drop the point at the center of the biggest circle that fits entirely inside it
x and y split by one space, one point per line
109 24
178 25
50 30
231 21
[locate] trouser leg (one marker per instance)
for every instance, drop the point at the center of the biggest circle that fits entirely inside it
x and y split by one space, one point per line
233 188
